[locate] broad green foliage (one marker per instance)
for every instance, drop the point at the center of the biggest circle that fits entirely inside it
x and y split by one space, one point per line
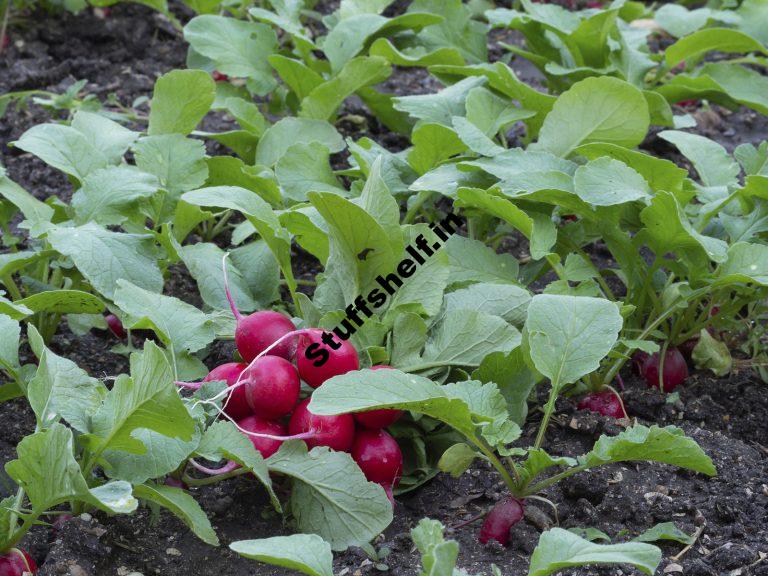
306 553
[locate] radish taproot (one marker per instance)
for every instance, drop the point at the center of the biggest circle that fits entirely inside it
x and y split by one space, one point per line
258 331
674 371
260 426
271 387
505 514
115 325
605 402
335 432
379 457
236 405
340 360
378 419
16 562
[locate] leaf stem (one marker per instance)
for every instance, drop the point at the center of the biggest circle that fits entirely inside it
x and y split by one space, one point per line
189 481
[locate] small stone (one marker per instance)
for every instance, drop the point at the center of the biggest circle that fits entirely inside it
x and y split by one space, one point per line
173 552
85 517
77 570
671 568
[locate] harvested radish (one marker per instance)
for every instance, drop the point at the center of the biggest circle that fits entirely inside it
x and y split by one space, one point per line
505 514
266 446
16 562
377 419
115 325
272 387
336 432
605 402
378 456
236 406
675 370
340 360
258 331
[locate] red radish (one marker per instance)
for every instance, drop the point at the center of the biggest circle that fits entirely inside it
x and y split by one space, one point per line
377 419
115 325
605 402
505 514
638 360
272 387
258 331
16 562
219 77
175 483
378 456
336 432
688 103
675 370
236 406
59 521
686 348
266 446
340 361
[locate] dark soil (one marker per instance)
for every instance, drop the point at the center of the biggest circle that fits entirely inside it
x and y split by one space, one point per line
124 54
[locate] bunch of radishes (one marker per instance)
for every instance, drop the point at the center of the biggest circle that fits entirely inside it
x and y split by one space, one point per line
264 396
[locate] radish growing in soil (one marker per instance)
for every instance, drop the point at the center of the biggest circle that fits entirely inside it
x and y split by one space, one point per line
115 325
379 457
335 432
675 370
340 361
605 402
16 562
505 514
377 419
272 387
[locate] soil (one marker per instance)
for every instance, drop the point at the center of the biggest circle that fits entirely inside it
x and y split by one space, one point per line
728 417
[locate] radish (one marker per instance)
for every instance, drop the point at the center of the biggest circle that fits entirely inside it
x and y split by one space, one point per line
605 402
675 370
59 521
256 332
272 387
175 483
379 457
266 446
336 432
236 405
219 77
339 360
505 514
377 419
16 562
5 42
638 360
115 326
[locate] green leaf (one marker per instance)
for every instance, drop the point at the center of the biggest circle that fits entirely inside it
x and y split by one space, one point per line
306 168
664 531
330 495
237 48
180 101
433 143
305 553
179 325
712 354
463 405
703 41
746 263
63 302
9 344
669 230
473 261
183 506
438 556
668 445
457 459
514 378
679 21
147 400
178 162
61 389
105 135
415 56
47 470
105 257
713 163
441 106
569 335
324 100
509 302
30 206
298 76
108 195
607 182
457 31
289 131
601 109
223 440
62 147
558 549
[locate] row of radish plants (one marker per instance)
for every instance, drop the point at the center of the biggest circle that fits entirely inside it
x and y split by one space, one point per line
441 373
